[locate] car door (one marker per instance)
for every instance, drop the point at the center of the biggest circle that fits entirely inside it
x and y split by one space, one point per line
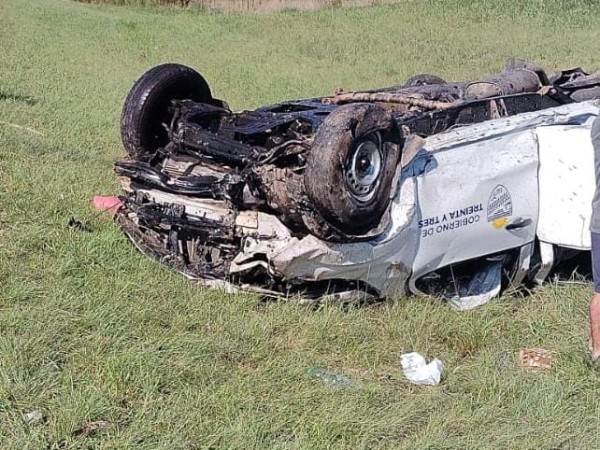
481 195
567 183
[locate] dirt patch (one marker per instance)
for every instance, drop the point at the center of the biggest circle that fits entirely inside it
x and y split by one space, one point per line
278 5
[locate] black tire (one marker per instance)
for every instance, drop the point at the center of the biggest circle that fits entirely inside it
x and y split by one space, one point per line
330 176
146 107
423 80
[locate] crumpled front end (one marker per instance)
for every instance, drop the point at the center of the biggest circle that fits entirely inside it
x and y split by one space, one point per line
210 241
199 245
247 199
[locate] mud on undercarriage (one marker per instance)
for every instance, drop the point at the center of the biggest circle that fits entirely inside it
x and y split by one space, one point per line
202 183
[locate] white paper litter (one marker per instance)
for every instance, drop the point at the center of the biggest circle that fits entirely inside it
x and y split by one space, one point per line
417 371
33 417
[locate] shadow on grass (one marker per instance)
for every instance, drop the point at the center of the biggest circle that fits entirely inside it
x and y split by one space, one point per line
322 294
17 98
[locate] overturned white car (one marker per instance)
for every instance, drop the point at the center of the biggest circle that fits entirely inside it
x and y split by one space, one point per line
459 189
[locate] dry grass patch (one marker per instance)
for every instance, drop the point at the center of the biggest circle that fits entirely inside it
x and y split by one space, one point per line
251 5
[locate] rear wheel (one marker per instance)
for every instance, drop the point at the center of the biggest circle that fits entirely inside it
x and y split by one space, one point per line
147 107
351 167
423 80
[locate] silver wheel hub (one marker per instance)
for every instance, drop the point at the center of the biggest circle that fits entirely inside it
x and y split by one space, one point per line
364 168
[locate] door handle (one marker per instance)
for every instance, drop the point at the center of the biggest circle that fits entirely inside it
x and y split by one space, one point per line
518 223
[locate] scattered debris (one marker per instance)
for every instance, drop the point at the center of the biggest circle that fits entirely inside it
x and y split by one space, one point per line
418 371
107 203
79 225
33 417
90 428
479 288
331 378
536 359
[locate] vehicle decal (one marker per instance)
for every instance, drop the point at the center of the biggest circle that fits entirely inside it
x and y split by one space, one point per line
450 220
499 207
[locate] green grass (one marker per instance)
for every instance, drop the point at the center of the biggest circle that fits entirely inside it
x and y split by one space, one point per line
92 330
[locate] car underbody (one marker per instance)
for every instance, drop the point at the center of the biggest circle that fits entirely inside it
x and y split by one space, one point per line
311 196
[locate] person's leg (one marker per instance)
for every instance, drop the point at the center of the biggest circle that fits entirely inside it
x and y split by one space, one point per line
595 229
595 302
595 325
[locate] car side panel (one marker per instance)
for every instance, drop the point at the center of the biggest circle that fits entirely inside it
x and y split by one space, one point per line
481 198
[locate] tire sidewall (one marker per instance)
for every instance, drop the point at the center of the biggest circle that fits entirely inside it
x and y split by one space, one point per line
325 177
424 79
146 105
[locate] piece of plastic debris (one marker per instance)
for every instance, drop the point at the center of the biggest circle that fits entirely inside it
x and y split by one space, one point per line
480 289
536 359
79 225
90 428
418 371
33 417
107 203
331 378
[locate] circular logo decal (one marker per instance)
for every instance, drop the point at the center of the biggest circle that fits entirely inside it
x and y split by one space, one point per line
499 206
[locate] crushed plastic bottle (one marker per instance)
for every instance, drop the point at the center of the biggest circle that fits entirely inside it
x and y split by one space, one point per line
331 378
33 417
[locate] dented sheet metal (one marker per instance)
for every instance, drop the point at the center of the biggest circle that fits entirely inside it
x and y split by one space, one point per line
487 196
477 194
384 264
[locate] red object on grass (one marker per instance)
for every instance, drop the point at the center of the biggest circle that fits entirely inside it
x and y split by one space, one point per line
107 203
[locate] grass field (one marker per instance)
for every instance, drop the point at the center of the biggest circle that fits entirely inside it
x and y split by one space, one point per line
90 330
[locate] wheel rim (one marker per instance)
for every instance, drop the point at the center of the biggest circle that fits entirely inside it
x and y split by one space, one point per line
364 168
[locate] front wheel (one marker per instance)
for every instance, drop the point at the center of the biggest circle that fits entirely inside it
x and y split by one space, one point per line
351 167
